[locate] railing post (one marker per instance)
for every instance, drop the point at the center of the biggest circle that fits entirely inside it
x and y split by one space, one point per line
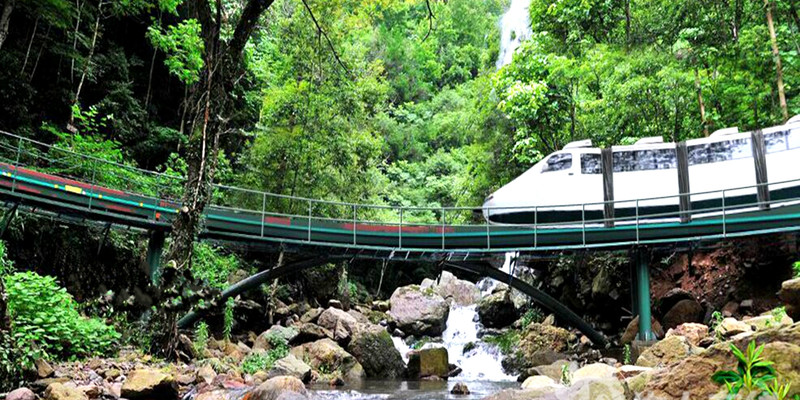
488 237
535 226
637 221
94 174
583 220
724 217
443 223
400 230
643 294
354 224
309 220
263 211
16 164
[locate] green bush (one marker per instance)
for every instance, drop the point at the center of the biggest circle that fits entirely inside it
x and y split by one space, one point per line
507 342
45 321
263 361
796 269
210 266
531 316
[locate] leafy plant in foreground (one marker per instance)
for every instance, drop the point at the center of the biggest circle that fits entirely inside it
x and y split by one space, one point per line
753 372
227 323
45 321
626 355
716 324
201 338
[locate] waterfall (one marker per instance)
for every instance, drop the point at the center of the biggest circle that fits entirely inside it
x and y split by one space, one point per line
514 28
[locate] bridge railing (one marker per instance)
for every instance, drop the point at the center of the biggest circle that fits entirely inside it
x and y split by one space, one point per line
407 220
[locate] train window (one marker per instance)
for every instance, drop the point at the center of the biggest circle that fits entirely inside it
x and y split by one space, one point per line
558 162
776 141
644 160
720 151
590 163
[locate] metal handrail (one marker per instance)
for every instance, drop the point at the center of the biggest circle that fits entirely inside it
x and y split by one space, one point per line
363 209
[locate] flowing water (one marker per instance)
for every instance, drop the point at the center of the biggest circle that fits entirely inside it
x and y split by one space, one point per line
481 365
515 27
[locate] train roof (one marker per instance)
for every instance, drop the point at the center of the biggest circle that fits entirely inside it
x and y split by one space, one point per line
657 142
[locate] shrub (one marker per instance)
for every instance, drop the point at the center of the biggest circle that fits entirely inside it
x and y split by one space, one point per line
45 321
263 361
796 269
211 267
531 316
507 342
227 323
201 339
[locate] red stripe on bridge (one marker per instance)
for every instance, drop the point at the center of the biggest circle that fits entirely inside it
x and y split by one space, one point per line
65 181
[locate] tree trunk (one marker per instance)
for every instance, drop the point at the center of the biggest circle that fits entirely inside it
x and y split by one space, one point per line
5 18
777 56
88 61
700 101
39 53
79 6
627 22
30 44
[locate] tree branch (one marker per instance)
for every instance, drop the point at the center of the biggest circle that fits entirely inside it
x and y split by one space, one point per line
431 17
327 39
247 23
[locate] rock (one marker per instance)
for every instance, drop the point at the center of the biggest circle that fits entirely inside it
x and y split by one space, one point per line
459 388
461 292
497 310
40 385
311 315
690 378
594 371
60 391
672 297
790 295
262 341
693 332
536 337
629 371
688 310
342 324
21 394
333 303
205 374
554 370
731 327
327 355
665 352
539 381
767 321
637 383
291 366
593 389
43 368
372 346
279 388
336 382
380 305
524 394
633 329
309 332
746 305
730 308
428 362
418 312
149 383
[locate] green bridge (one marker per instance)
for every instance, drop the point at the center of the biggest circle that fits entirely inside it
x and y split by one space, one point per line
39 178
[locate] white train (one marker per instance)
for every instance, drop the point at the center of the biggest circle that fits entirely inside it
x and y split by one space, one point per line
568 185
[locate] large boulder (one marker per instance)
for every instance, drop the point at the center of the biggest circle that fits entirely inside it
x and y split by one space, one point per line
459 291
428 362
539 381
308 332
593 389
60 391
291 366
693 332
326 356
633 329
149 383
21 394
279 388
687 310
731 327
790 294
340 322
372 346
539 344
419 312
497 310
665 352
594 371
286 333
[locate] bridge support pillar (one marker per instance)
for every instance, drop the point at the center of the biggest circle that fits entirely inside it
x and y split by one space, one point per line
155 246
642 294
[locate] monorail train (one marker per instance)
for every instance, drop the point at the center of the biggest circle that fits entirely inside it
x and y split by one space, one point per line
654 180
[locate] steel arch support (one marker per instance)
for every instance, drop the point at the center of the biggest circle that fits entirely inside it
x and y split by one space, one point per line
255 281
539 296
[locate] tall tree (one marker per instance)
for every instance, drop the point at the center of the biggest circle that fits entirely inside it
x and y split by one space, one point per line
777 56
5 19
